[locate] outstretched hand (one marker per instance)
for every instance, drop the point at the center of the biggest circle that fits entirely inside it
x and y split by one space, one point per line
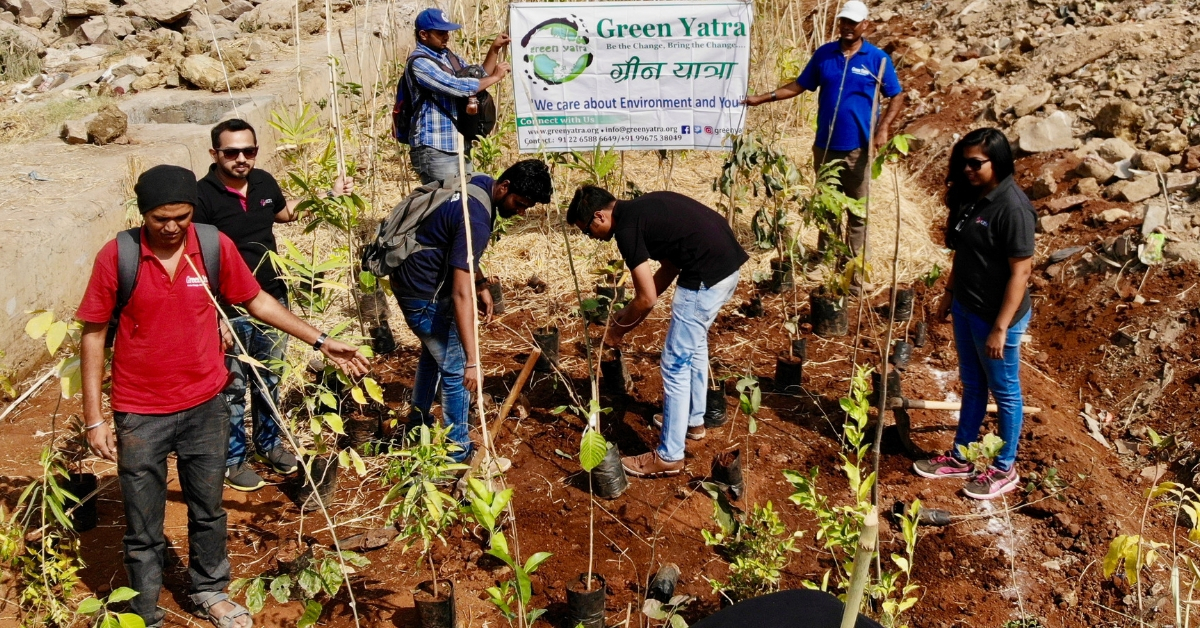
346 357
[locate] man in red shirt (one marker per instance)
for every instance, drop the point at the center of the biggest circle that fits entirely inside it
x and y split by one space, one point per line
168 371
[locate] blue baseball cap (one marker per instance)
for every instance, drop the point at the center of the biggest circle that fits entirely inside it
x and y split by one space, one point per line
435 20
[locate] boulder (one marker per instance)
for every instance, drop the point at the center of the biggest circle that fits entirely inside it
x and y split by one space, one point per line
1009 97
95 31
1043 186
162 11
35 13
203 72
1170 143
1115 149
1050 133
1141 189
149 80
235 9
1033 102
269 14
1066 203
75 131
951 72
917 50
1177 181
84 8
133 64
1050 224
1182 251
203 27
1122 119
1093 167
1087 186
109 124
1191 159
1151 161
1114 214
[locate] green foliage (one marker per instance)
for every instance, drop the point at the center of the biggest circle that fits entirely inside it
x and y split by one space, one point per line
322 576
487 505
59 335
896 148
102 617
757 546
981 452
838 283
487 151
1132 552
513 595
768 170
592 449
668 613
839 526
598 167
1049 482
307 277
750 398
1024 622
932 276
827 204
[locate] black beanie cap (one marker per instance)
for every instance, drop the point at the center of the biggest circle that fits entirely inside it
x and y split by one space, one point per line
165 184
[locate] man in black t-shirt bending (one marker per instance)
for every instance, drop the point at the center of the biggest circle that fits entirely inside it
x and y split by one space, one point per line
695 244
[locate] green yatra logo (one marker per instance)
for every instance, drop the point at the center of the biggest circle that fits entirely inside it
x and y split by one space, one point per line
557 51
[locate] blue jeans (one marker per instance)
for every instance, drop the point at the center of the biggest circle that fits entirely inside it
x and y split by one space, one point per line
264 343
432 164
197 437
442 361
685 362
979 374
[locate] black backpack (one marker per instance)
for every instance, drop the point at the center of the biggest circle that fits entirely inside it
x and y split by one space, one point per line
129 263
410 96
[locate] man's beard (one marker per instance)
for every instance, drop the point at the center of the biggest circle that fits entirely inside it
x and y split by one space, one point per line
230 172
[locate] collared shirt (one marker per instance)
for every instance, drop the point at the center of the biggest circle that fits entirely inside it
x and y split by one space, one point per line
167 354
248 220
984 236
431 127
671 227
847 91
426 274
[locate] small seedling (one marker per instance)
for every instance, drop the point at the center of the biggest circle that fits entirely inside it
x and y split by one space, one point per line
750 397
982 452
102 617
668 613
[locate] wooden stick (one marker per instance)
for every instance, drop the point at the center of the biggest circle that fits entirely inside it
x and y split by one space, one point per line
862 567
513 394
922 404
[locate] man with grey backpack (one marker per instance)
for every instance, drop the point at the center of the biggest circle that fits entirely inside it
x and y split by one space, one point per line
422 247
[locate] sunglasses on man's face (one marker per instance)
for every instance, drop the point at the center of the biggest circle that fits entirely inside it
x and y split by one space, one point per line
231 153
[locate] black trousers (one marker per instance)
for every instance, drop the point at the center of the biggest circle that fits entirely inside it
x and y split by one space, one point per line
199 437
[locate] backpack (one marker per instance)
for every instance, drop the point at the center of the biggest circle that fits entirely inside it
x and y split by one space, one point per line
396 237
410 96
129 263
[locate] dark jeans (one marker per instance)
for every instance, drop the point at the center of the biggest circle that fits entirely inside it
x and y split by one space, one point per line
265 344
198 437
443 363
853 179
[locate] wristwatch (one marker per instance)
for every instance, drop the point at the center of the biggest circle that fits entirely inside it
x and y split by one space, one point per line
320 341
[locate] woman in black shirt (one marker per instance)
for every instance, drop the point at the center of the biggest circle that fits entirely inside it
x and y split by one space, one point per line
990 228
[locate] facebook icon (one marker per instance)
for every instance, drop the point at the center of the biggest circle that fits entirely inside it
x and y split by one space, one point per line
685 129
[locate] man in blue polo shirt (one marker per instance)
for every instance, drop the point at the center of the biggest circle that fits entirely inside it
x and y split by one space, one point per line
845 72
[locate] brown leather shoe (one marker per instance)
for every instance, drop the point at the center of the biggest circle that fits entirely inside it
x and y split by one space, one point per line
649 465
693 432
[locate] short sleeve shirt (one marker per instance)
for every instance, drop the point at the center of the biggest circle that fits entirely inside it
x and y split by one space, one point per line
167 354
249 221
846 92
671 227
984 235
426 274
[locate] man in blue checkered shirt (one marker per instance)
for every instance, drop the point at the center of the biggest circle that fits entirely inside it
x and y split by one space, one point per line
434 155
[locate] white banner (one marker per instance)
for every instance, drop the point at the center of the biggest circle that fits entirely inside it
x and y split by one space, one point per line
629 75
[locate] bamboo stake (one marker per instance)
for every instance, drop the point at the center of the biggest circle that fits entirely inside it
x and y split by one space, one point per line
483 426
887 345
922 404
862 567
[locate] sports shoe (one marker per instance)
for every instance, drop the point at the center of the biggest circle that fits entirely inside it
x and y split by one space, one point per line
240 477
992 483
696 432
943 466
649 465
279 459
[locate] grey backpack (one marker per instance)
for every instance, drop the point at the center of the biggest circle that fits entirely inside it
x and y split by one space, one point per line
396 238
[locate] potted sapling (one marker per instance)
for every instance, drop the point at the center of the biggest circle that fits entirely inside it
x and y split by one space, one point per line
789 366
422 512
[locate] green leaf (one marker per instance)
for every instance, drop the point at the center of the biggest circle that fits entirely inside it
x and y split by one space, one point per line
55 336
328 400
89 606
373 389
281 588
678 622
359 466
310 582
753 425
110 621
312 613
536 560
358 396
121 594
335 423
592 449
256 595
39 324
130 620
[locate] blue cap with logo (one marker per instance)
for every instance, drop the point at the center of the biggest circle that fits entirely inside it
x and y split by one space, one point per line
435 20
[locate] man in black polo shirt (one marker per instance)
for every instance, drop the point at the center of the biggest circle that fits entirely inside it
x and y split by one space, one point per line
694 243
244 203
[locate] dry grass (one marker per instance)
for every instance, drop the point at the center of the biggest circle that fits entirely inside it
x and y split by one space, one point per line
17 60
24 122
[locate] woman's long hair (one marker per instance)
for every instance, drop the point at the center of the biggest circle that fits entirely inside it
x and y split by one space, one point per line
997 149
